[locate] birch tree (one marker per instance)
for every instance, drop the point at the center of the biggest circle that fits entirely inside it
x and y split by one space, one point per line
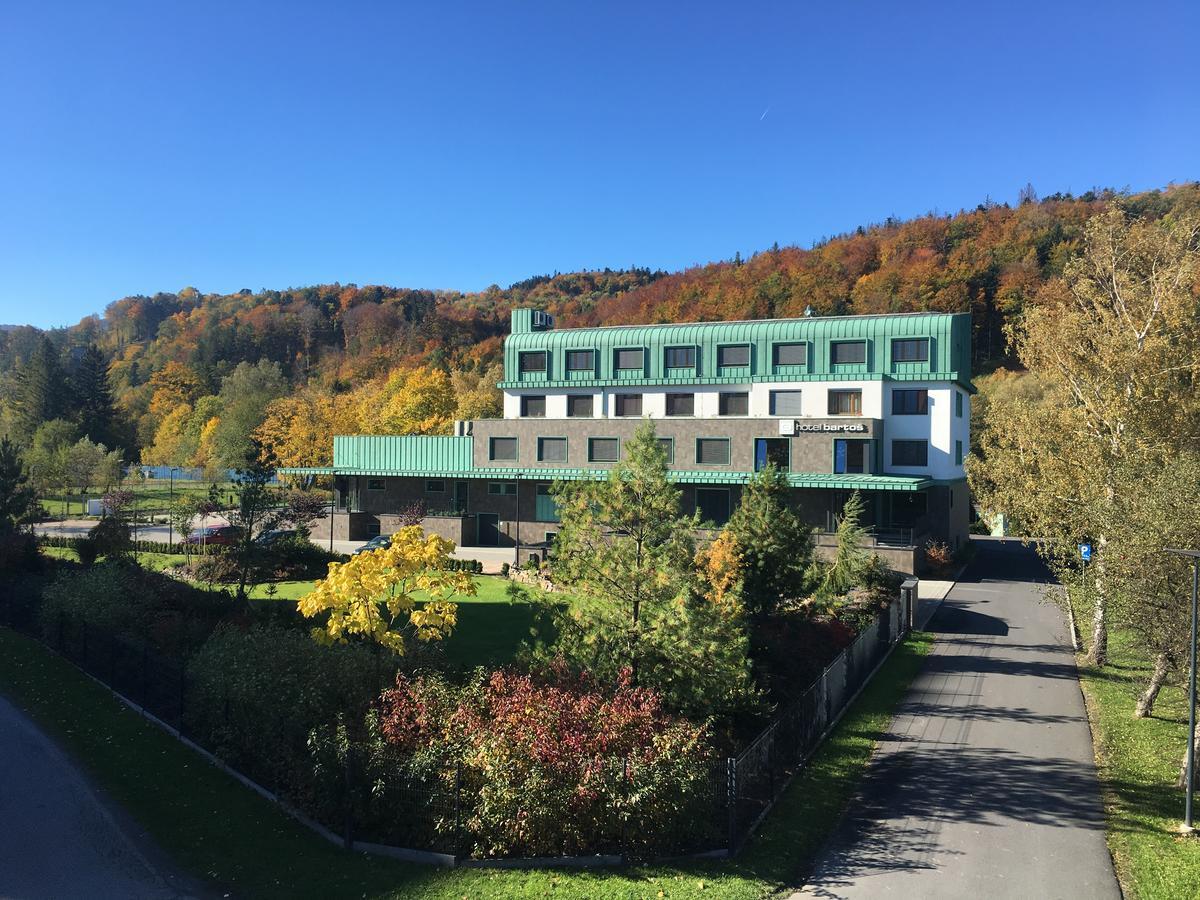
1116 342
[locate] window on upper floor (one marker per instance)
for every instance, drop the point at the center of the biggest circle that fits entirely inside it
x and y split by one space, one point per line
958 404
910 453
533 407
630 359
786 403
581 360
712 451
681 404
668 447
958 453
534 361
772 451
845 403
790 354
910 402
604 449
734 356
679 358
579 406
552 449
502 488
734 403
504 448
842 353
849 457
910 350
628 404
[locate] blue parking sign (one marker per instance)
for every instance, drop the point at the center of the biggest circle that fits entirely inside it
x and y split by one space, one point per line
1085 552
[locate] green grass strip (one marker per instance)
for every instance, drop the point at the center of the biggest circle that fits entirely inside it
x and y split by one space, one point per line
215 828
1138 760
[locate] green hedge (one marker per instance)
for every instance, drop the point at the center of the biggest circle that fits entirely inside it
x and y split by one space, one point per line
72 543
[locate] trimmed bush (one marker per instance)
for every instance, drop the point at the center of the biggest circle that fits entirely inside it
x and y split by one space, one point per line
255 697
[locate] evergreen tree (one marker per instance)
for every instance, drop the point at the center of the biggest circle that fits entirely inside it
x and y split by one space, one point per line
775 546
850 560
39 388
93 397
16 496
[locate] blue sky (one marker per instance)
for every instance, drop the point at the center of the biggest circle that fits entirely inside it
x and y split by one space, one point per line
151 146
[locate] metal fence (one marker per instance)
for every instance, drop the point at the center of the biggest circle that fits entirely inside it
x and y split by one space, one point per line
365 792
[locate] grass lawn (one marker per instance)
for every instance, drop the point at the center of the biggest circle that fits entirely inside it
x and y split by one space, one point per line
1139 761
216 829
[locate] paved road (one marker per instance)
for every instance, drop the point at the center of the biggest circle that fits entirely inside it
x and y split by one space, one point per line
986 786
59 840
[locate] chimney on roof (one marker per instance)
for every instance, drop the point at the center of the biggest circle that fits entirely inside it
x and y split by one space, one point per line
526 320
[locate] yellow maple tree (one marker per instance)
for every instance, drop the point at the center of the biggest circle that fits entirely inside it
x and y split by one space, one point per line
374 594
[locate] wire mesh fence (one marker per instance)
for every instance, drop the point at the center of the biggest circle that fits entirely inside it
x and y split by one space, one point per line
367 791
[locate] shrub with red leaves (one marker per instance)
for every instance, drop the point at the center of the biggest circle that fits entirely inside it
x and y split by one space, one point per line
555 763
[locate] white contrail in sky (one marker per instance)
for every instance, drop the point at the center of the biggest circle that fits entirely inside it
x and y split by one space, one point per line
764 115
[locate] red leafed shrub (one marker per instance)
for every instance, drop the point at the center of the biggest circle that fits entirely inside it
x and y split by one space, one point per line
556 763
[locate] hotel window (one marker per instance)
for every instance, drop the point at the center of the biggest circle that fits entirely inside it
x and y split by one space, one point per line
502 448
734 404
630 359
786 403
733 357
375 484
579 406
533 362
681 404
790 354
712 451
713 505
958 454
958 404
910 350
845 403
581 360
679 358
628 404
552 449
604 449
843 353
910 402
849 457
910 453
501 488
544 507
533 407
772 451
435 487
668 447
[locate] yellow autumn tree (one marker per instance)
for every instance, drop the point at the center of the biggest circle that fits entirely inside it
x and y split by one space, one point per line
297 430
476 393
206 452
412 401
170 447
719 571
373 595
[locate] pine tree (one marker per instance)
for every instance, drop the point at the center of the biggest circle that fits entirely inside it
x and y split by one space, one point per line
16 496
38 391
93 397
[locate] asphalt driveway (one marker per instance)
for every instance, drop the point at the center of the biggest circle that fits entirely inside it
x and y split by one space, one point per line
986 785
60 840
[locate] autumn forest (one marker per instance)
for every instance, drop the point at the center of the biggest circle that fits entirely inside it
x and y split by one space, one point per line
195 379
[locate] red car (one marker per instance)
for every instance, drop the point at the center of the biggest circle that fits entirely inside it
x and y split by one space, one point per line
214 535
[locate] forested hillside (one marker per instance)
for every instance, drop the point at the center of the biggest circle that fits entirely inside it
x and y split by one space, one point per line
192 377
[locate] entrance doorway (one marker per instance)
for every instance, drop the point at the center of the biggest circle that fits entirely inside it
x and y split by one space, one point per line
460 496
488 529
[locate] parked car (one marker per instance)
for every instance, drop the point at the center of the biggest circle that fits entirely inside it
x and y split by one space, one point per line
214 535
271 538
376 543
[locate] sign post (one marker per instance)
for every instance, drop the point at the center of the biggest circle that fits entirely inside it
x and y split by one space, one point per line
1190 766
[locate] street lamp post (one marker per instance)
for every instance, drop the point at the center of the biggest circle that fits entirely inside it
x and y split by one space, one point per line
1190 767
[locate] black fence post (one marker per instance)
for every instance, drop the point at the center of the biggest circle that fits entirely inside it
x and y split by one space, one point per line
348 837
731 794
145 680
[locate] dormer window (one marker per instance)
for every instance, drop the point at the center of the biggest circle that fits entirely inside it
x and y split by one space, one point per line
733 357
680 358
533 362
843 353
581 360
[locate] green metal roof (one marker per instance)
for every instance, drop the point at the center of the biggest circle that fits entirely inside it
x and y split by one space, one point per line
393 454
949 337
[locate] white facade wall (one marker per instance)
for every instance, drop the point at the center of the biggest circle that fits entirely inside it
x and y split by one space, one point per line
940 426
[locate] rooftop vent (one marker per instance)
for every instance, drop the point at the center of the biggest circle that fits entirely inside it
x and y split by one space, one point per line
524 320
